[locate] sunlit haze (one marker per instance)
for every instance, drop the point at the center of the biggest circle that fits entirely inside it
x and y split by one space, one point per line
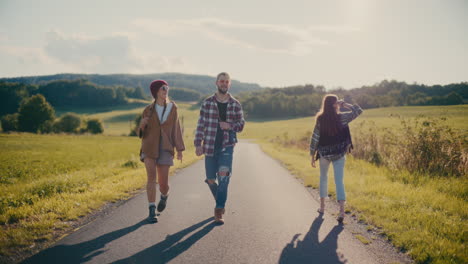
346 43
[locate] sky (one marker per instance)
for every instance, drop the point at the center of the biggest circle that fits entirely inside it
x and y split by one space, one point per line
335 43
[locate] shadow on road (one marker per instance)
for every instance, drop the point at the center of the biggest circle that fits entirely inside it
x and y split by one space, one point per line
170 248
78 253
163 251
310 250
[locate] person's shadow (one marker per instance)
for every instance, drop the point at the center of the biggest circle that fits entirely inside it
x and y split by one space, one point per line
310 250
82 252
166 250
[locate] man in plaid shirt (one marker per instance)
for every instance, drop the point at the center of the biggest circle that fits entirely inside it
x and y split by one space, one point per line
221 117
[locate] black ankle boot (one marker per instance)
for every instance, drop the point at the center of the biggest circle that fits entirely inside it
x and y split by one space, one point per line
162 203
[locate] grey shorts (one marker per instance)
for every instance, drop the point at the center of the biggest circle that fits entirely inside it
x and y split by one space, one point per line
165 158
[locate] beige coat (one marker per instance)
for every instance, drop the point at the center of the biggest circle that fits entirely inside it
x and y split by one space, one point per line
170 132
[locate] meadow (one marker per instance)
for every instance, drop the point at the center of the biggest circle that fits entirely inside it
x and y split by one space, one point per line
422 215
120 122
49 181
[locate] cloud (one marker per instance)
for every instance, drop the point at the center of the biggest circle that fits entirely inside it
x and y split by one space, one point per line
25 55
20 60
3 38
109 54
264 37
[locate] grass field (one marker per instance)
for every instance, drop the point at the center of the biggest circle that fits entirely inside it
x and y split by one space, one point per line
426 218
46 181
120 122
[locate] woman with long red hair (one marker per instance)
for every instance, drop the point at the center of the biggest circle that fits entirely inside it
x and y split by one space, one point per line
330 142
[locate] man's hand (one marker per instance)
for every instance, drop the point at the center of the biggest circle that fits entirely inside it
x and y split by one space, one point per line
144 122
179 155
225 125
199 150
312 162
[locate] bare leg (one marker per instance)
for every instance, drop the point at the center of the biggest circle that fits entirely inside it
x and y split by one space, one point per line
150 165
322 205
163 178
342 204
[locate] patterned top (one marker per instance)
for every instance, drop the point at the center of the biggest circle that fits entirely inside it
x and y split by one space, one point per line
208 124
345 118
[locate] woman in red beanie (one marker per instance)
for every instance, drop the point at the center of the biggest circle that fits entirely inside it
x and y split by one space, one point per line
161 133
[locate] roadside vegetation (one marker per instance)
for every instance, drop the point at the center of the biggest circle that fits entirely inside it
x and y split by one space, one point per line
406 177
48 181
414 196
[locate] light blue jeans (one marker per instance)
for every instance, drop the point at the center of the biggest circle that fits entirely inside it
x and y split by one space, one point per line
338 171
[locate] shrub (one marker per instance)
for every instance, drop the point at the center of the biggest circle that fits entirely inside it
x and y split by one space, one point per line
10 122
33 112
134 131
433 148
68 123
130 164
426 146
94 126
47 127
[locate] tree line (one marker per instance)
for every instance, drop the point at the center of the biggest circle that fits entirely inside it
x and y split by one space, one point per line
282 102
64 93
79 93
202 84
394 93
301 100
306 100
36 115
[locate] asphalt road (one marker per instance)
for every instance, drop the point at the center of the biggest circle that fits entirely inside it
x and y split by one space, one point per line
270 218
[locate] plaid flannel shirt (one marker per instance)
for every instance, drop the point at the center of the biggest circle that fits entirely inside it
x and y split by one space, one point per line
345 118
208 124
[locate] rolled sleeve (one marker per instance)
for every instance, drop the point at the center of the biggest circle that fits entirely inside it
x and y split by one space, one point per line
353 114
314 140
238 125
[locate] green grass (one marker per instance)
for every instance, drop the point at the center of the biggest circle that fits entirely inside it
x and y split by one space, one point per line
426 218
362 239
132 104
386 117
46 181
120 122
26 157
382 117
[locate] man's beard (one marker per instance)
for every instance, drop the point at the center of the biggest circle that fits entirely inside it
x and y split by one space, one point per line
221 91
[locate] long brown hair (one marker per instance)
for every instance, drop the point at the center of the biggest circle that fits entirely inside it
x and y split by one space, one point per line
328 116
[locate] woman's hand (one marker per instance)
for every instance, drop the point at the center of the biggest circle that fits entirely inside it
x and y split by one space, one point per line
312 162
199 151
144 122
346 105
179 155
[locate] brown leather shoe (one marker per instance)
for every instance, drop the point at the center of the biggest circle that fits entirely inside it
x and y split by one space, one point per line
218 215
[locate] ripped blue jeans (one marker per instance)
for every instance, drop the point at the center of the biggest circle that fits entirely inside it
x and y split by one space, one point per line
219 167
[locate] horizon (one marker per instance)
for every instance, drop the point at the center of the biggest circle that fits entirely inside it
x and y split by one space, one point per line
271 87
337 44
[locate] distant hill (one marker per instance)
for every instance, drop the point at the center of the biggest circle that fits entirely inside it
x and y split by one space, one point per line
201 83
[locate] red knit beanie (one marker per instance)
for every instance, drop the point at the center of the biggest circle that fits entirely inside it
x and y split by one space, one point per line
155 85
